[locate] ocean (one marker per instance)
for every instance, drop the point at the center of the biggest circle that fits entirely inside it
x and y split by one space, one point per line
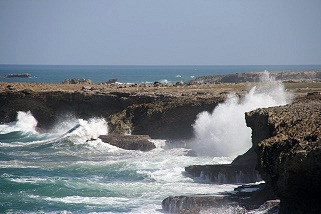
63 171
133 74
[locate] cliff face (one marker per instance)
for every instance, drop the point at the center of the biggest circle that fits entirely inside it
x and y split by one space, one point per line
290 159
156 115
171 118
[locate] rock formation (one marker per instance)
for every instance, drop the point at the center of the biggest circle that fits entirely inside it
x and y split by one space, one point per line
168 117
24 75
224 173
129 142
157 115
290 159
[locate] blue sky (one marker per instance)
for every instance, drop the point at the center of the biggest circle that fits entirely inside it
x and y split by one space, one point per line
160 32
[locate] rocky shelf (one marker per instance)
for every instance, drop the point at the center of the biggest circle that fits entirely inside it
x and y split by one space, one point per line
224 173
129 142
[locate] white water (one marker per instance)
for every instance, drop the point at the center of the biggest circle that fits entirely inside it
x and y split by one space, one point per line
224 132
25 123
97 177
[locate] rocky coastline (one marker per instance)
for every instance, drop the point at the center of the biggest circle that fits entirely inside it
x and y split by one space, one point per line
286 145
290 160
286 151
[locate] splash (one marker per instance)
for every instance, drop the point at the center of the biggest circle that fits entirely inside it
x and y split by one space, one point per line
25 123
224 132
87 130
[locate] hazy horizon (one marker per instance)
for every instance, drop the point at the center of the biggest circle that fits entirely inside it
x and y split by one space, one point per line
152 33
157 65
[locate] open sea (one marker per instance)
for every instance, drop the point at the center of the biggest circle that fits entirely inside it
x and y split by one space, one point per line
65 171
133 74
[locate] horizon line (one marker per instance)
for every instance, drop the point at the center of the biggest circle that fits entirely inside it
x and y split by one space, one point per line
9 64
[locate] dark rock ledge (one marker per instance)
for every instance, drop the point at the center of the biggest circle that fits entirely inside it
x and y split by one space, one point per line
160 116
224 174
129 142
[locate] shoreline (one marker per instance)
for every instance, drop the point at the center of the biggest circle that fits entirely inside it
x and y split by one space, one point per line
167 111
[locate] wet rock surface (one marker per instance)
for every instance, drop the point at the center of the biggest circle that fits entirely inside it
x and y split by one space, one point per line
290 160
129 142
224 174
247 197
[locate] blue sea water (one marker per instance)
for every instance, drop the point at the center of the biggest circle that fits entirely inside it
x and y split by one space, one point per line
133 74
64 171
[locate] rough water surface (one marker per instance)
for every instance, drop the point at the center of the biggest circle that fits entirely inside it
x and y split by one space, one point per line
66 171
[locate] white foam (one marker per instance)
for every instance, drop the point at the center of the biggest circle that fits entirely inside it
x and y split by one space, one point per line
224 132
164 81
88 130
86 200
25 123
158 143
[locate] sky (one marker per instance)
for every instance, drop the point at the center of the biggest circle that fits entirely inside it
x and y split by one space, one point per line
160 32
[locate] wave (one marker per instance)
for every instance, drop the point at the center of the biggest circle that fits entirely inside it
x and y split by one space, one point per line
23 132
224 132
25 123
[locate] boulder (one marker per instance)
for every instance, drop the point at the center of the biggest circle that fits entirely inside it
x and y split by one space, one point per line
129 142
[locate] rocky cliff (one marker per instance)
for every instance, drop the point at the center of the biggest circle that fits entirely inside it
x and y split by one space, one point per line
160 115
290 159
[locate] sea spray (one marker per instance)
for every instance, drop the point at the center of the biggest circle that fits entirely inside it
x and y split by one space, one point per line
25 123
224 132
87 130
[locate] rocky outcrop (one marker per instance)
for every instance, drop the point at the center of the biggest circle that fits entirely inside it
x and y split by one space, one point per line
158 115
77 81
290 159
224 174
24 75
256 77
129 142
169 118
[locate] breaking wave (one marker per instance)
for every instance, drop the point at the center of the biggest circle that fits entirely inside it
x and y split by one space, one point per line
224 131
